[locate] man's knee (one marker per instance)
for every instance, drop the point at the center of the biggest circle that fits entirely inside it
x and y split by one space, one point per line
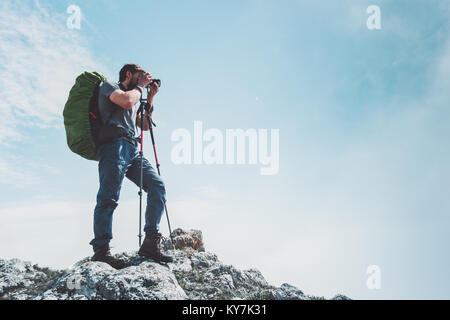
160 188
110 185
157 190
107 202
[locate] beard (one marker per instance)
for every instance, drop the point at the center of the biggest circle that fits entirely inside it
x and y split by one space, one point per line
132 84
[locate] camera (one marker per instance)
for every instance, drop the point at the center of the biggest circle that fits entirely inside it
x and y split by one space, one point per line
157 81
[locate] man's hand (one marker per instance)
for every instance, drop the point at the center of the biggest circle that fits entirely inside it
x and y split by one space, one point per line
146 124
144 79
154 89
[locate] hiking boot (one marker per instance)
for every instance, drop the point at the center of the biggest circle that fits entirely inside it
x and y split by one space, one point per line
151 248
103 254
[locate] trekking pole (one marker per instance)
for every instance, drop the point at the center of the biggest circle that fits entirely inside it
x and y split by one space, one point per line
141 154
151 124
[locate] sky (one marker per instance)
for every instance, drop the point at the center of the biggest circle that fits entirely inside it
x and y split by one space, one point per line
362 116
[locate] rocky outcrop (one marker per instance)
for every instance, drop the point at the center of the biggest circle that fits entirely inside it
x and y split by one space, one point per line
21 280
195 274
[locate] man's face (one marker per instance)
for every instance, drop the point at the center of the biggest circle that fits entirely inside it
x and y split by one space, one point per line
134 79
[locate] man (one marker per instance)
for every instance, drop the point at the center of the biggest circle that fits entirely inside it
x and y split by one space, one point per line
119 157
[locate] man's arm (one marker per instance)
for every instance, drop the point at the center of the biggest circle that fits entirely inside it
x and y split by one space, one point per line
125 99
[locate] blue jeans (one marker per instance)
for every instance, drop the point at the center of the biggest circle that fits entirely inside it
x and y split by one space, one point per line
116 160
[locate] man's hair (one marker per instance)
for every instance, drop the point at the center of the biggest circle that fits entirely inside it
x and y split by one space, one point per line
129 67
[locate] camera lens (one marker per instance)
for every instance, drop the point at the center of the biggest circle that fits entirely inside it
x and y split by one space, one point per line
158 82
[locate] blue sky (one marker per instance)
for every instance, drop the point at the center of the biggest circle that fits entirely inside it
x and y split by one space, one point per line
362 115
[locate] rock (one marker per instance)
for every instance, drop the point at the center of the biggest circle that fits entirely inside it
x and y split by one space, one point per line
194 274
340 297
289 292
20 279
98 281
182 239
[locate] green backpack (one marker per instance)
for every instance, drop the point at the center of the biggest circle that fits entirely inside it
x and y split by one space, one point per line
81 115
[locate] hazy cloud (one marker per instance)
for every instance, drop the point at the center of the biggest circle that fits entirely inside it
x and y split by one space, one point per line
39 60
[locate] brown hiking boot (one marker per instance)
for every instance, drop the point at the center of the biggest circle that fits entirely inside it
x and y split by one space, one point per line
151 248
103 254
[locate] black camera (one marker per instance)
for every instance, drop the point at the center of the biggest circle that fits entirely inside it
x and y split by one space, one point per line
157 81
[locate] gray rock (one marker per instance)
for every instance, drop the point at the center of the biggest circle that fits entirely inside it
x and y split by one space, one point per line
194 274
98 281
185 239
340 297
289 292
20 279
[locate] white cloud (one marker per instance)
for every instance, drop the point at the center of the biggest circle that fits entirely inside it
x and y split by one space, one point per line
39 58
19 172
43 167
46 232
13 176
39 61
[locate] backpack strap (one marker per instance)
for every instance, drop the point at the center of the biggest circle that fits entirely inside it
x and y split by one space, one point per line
110 116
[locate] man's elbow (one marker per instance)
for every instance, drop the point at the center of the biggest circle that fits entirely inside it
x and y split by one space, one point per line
128 104
122 99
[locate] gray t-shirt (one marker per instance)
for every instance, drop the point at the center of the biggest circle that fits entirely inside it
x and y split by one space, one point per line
121 117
